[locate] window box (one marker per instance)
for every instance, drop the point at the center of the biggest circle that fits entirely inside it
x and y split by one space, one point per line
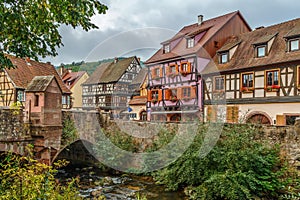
186 98
272 88
247 89
154 101
173 99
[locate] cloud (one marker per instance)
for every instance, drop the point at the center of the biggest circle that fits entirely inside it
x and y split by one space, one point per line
124 17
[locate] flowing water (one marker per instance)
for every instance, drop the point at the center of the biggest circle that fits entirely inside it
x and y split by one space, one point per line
94 183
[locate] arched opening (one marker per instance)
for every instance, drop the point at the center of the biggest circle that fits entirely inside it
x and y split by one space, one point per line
259 118
175 118
143 115
79 152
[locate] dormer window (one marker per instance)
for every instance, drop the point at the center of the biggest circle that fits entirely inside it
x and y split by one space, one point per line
190 42
293 44
261 51
166 48
224 57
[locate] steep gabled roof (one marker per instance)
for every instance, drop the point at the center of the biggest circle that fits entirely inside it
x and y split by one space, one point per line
209 28
139 79
40 83
110 72
72 77
26 70
244 54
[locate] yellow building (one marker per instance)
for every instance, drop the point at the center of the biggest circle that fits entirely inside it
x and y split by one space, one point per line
137 104
73 81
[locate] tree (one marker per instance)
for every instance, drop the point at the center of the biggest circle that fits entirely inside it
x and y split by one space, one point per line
30 28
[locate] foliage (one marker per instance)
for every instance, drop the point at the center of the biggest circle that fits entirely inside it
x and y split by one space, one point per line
238 167
30 28
16 108
69 133
25 178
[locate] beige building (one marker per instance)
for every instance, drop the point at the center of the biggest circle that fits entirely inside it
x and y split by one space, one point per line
73 81
137 104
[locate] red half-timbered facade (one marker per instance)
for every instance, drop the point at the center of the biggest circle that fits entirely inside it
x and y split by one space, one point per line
175 83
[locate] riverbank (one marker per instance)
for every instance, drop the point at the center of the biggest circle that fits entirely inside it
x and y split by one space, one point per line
94 183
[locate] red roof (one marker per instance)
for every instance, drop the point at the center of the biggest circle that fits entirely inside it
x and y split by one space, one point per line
138 100
26 70
211 27
244 58
71 78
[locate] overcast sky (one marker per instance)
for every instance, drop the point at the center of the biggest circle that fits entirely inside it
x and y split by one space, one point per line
137 27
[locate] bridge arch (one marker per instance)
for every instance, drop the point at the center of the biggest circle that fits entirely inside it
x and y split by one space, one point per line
79 151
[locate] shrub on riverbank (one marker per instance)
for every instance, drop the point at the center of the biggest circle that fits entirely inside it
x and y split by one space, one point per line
25 178
240 166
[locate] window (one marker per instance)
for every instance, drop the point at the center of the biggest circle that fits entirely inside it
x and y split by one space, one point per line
185 67
261 51
190 42
156 73
21 95
272 78
247 80
166 48
172 69
219 83
173 93
186 92
294 45
154 94
224 58
36 100
66 100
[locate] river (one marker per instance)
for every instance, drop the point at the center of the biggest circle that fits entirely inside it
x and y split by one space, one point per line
94 183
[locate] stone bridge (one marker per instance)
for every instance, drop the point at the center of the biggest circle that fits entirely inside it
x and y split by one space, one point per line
15 135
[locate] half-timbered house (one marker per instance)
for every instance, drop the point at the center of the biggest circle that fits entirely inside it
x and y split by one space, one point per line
14 81
175 87
107 87
256 75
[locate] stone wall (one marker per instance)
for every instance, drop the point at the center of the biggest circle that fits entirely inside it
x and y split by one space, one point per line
88 123
11 124
14 133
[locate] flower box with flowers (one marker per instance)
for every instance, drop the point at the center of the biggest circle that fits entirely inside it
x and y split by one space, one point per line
154 101
272 88
247 89
185 98
172 75
184 73
173 99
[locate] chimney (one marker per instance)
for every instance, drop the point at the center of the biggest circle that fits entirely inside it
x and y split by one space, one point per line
200 19
116 60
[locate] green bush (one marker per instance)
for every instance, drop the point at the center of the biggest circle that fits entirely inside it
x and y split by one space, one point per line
239 167
25 178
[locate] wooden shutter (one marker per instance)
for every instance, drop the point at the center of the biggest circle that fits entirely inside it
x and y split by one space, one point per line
177 68
149 95
189 67
193 92
211 113
232 114
159 95
153 73
160 72
179 93
168 94
280 120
